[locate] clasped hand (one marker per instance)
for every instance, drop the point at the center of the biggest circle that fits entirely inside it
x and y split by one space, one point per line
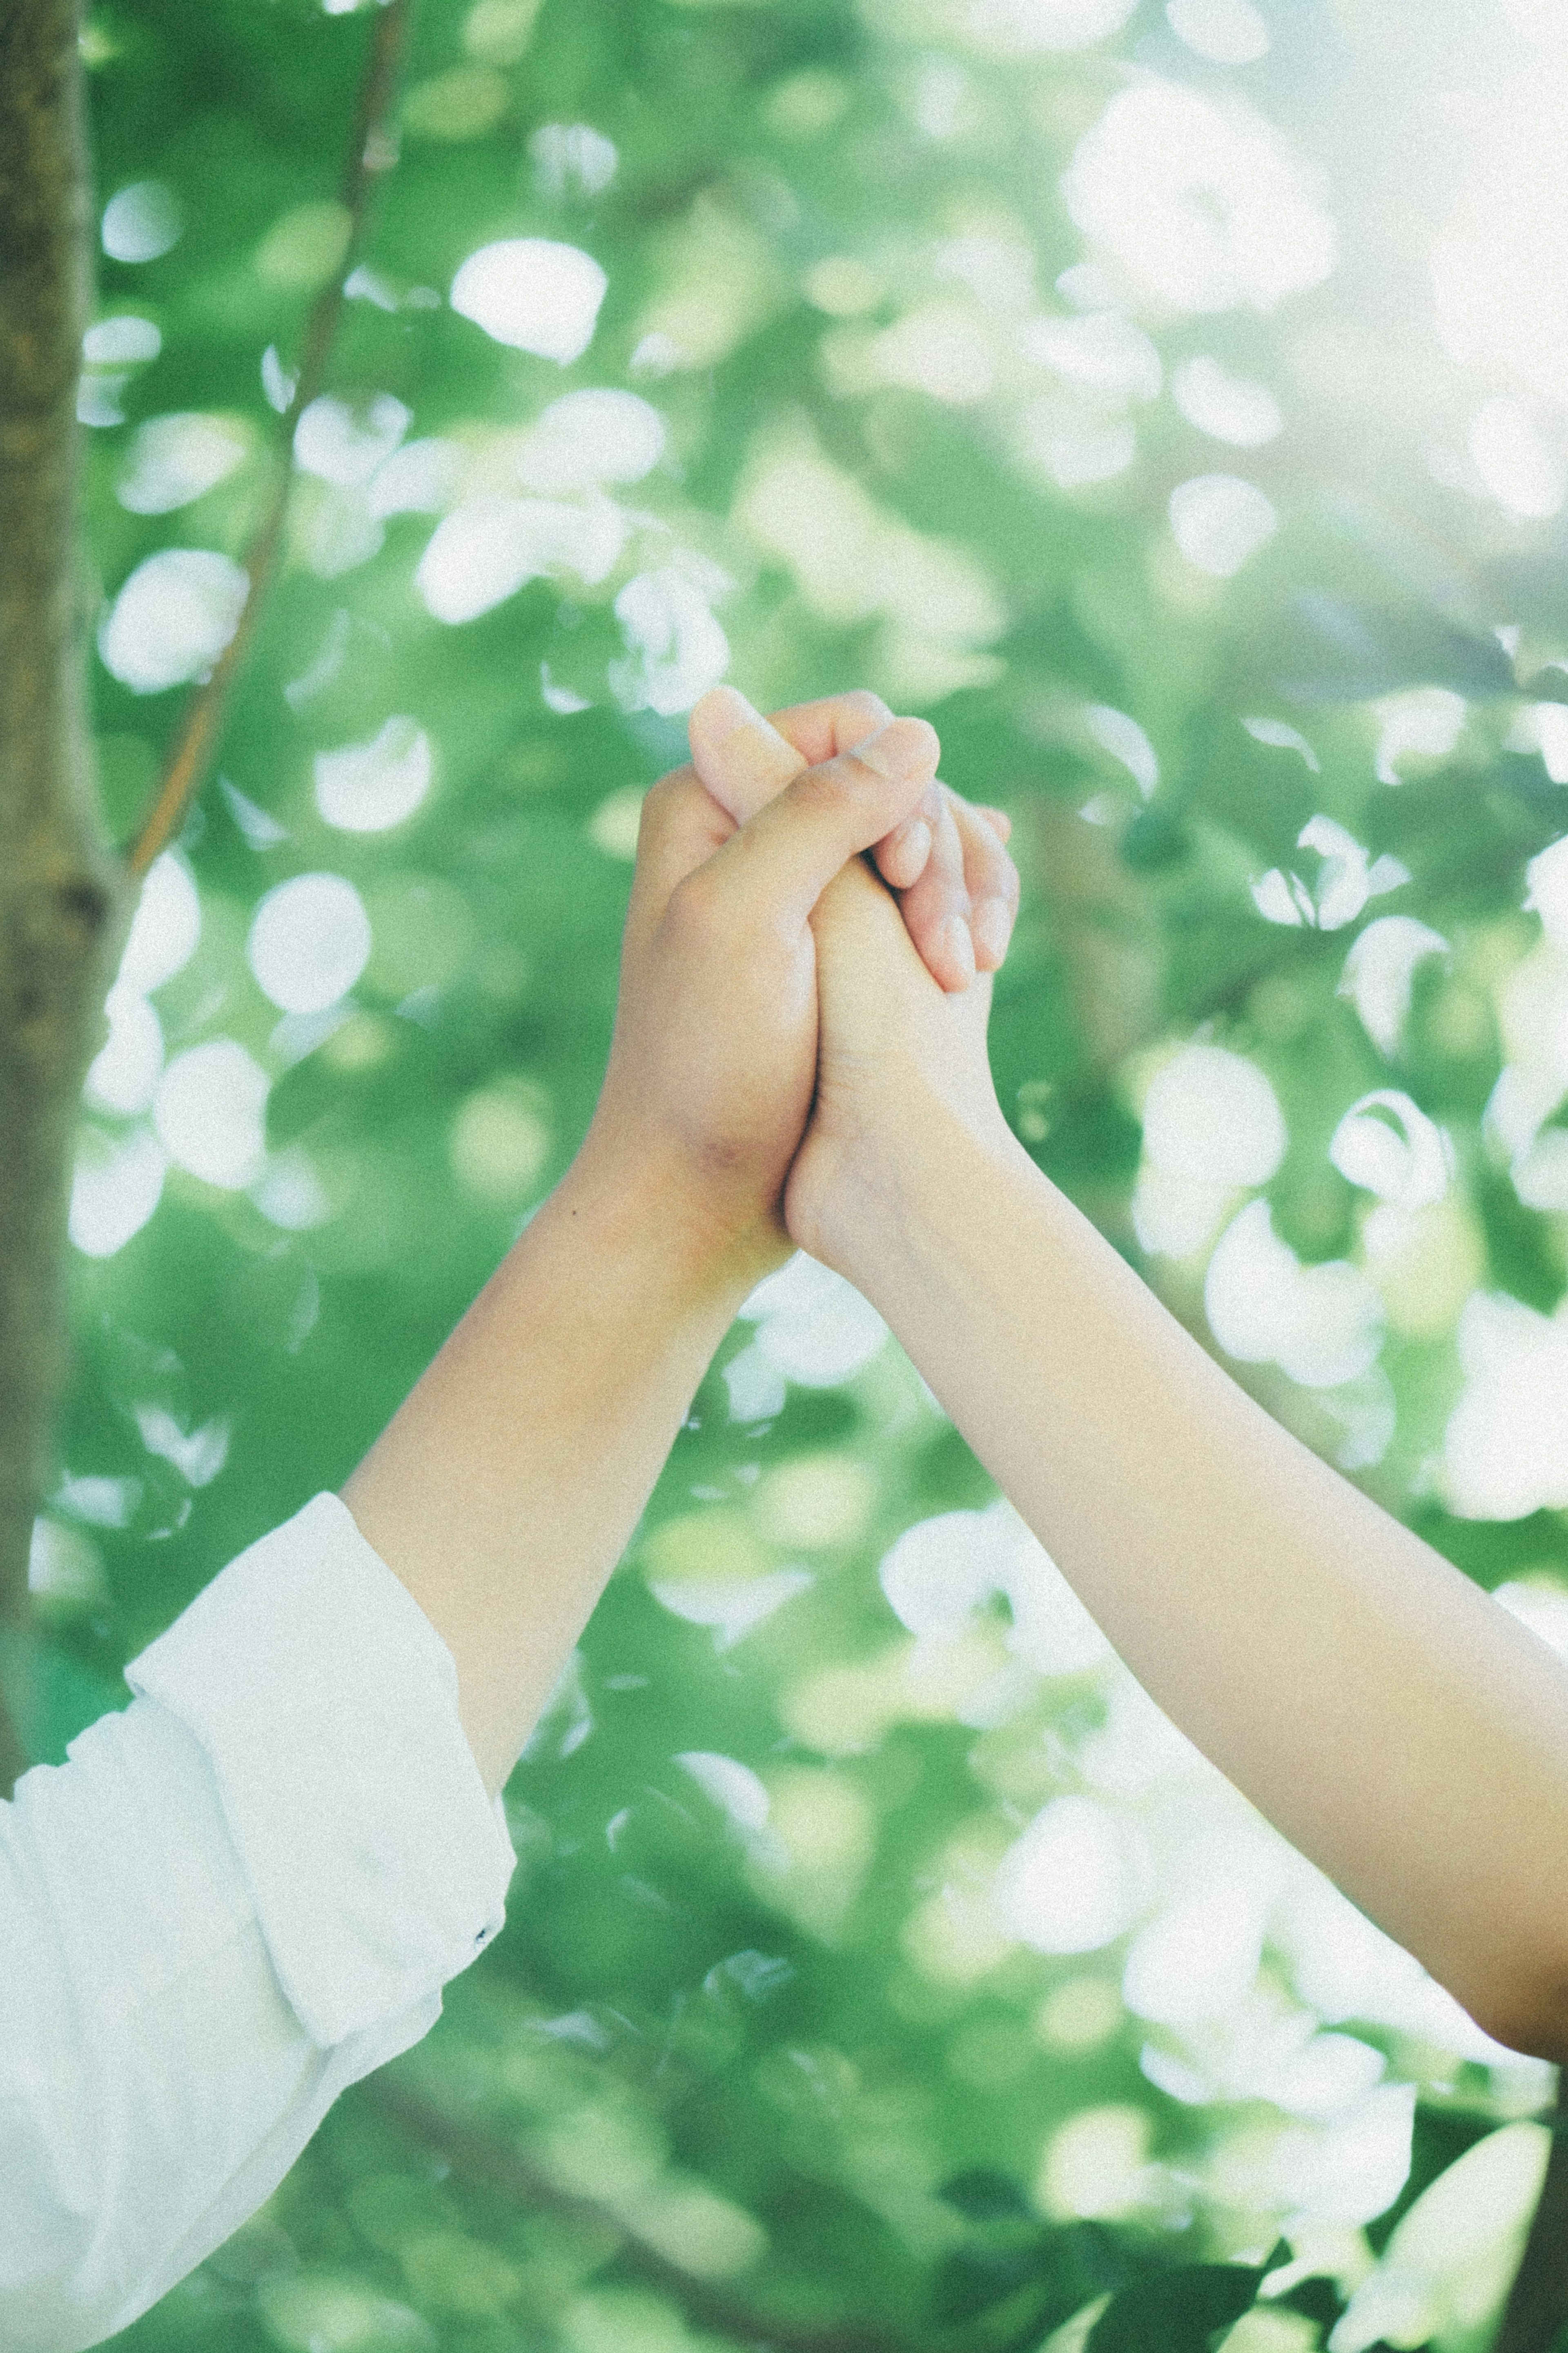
787 1023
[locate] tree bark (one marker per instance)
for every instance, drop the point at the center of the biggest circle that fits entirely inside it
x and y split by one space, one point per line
61 902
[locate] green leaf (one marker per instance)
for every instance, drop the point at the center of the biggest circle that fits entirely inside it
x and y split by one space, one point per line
987 2197
1323 649
1181 2311
973 2279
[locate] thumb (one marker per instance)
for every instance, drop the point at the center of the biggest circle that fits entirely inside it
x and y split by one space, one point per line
740 758
784 857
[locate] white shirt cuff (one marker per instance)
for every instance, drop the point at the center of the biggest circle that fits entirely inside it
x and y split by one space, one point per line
328 1705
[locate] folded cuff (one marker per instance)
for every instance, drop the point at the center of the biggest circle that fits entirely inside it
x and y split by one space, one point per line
328 1705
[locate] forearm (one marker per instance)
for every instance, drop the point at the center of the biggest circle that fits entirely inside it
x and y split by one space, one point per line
1397 1726
505 1489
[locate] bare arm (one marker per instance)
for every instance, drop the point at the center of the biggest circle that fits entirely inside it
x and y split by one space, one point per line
1395 1724
505 1487
1400 1728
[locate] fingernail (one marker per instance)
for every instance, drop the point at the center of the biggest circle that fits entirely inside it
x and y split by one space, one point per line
992 928
725 711
899 749
959 947
914 844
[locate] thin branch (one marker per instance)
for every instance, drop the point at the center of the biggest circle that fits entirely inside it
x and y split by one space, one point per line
371 151
62 903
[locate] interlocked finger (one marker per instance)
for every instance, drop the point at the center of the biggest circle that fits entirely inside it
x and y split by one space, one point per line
991 878
936 907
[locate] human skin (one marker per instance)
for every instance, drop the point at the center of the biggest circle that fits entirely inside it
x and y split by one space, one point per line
508 1484
1400 1728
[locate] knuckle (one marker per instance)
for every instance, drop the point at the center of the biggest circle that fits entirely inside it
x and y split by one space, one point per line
861 703
923 742
907 750
999 878
834 787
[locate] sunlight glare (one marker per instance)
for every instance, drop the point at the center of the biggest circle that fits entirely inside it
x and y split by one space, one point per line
166 929
534 294
309 940
173 459
1075 1881
1219 522
172 618
117 1185
1203 203
367 788
209 1113
1226 407
142 222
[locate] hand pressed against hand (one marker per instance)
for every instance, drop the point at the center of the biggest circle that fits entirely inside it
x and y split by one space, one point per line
957 889
902 1036
713 1060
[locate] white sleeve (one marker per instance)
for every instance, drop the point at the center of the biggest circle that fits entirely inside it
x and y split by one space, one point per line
236 1898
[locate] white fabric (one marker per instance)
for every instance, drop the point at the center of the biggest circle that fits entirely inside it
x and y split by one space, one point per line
235 1899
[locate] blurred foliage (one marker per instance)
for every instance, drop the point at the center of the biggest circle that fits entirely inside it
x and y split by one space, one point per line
757 2060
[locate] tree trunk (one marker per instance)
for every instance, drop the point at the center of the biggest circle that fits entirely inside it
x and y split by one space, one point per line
62 901
1537 2306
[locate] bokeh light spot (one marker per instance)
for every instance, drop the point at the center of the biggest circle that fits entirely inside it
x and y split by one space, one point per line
165 928
124 1073
341 445
534 294
367 788
571 157
1201 203
172 618
1074 1882
1104 352
117 1185
209 1113
486 550
812 1325
1323 1325
1226 407
1219 522
614 824
1516 460
173 459
676 650
1212 1114
120 342
464 103
141 222
1096 2165
310 941
499 1143
1026 27
305 247
591 436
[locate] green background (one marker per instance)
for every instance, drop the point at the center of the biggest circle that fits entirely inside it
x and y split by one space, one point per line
670 2009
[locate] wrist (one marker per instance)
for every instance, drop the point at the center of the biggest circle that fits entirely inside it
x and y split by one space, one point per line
640 1212
884 1191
